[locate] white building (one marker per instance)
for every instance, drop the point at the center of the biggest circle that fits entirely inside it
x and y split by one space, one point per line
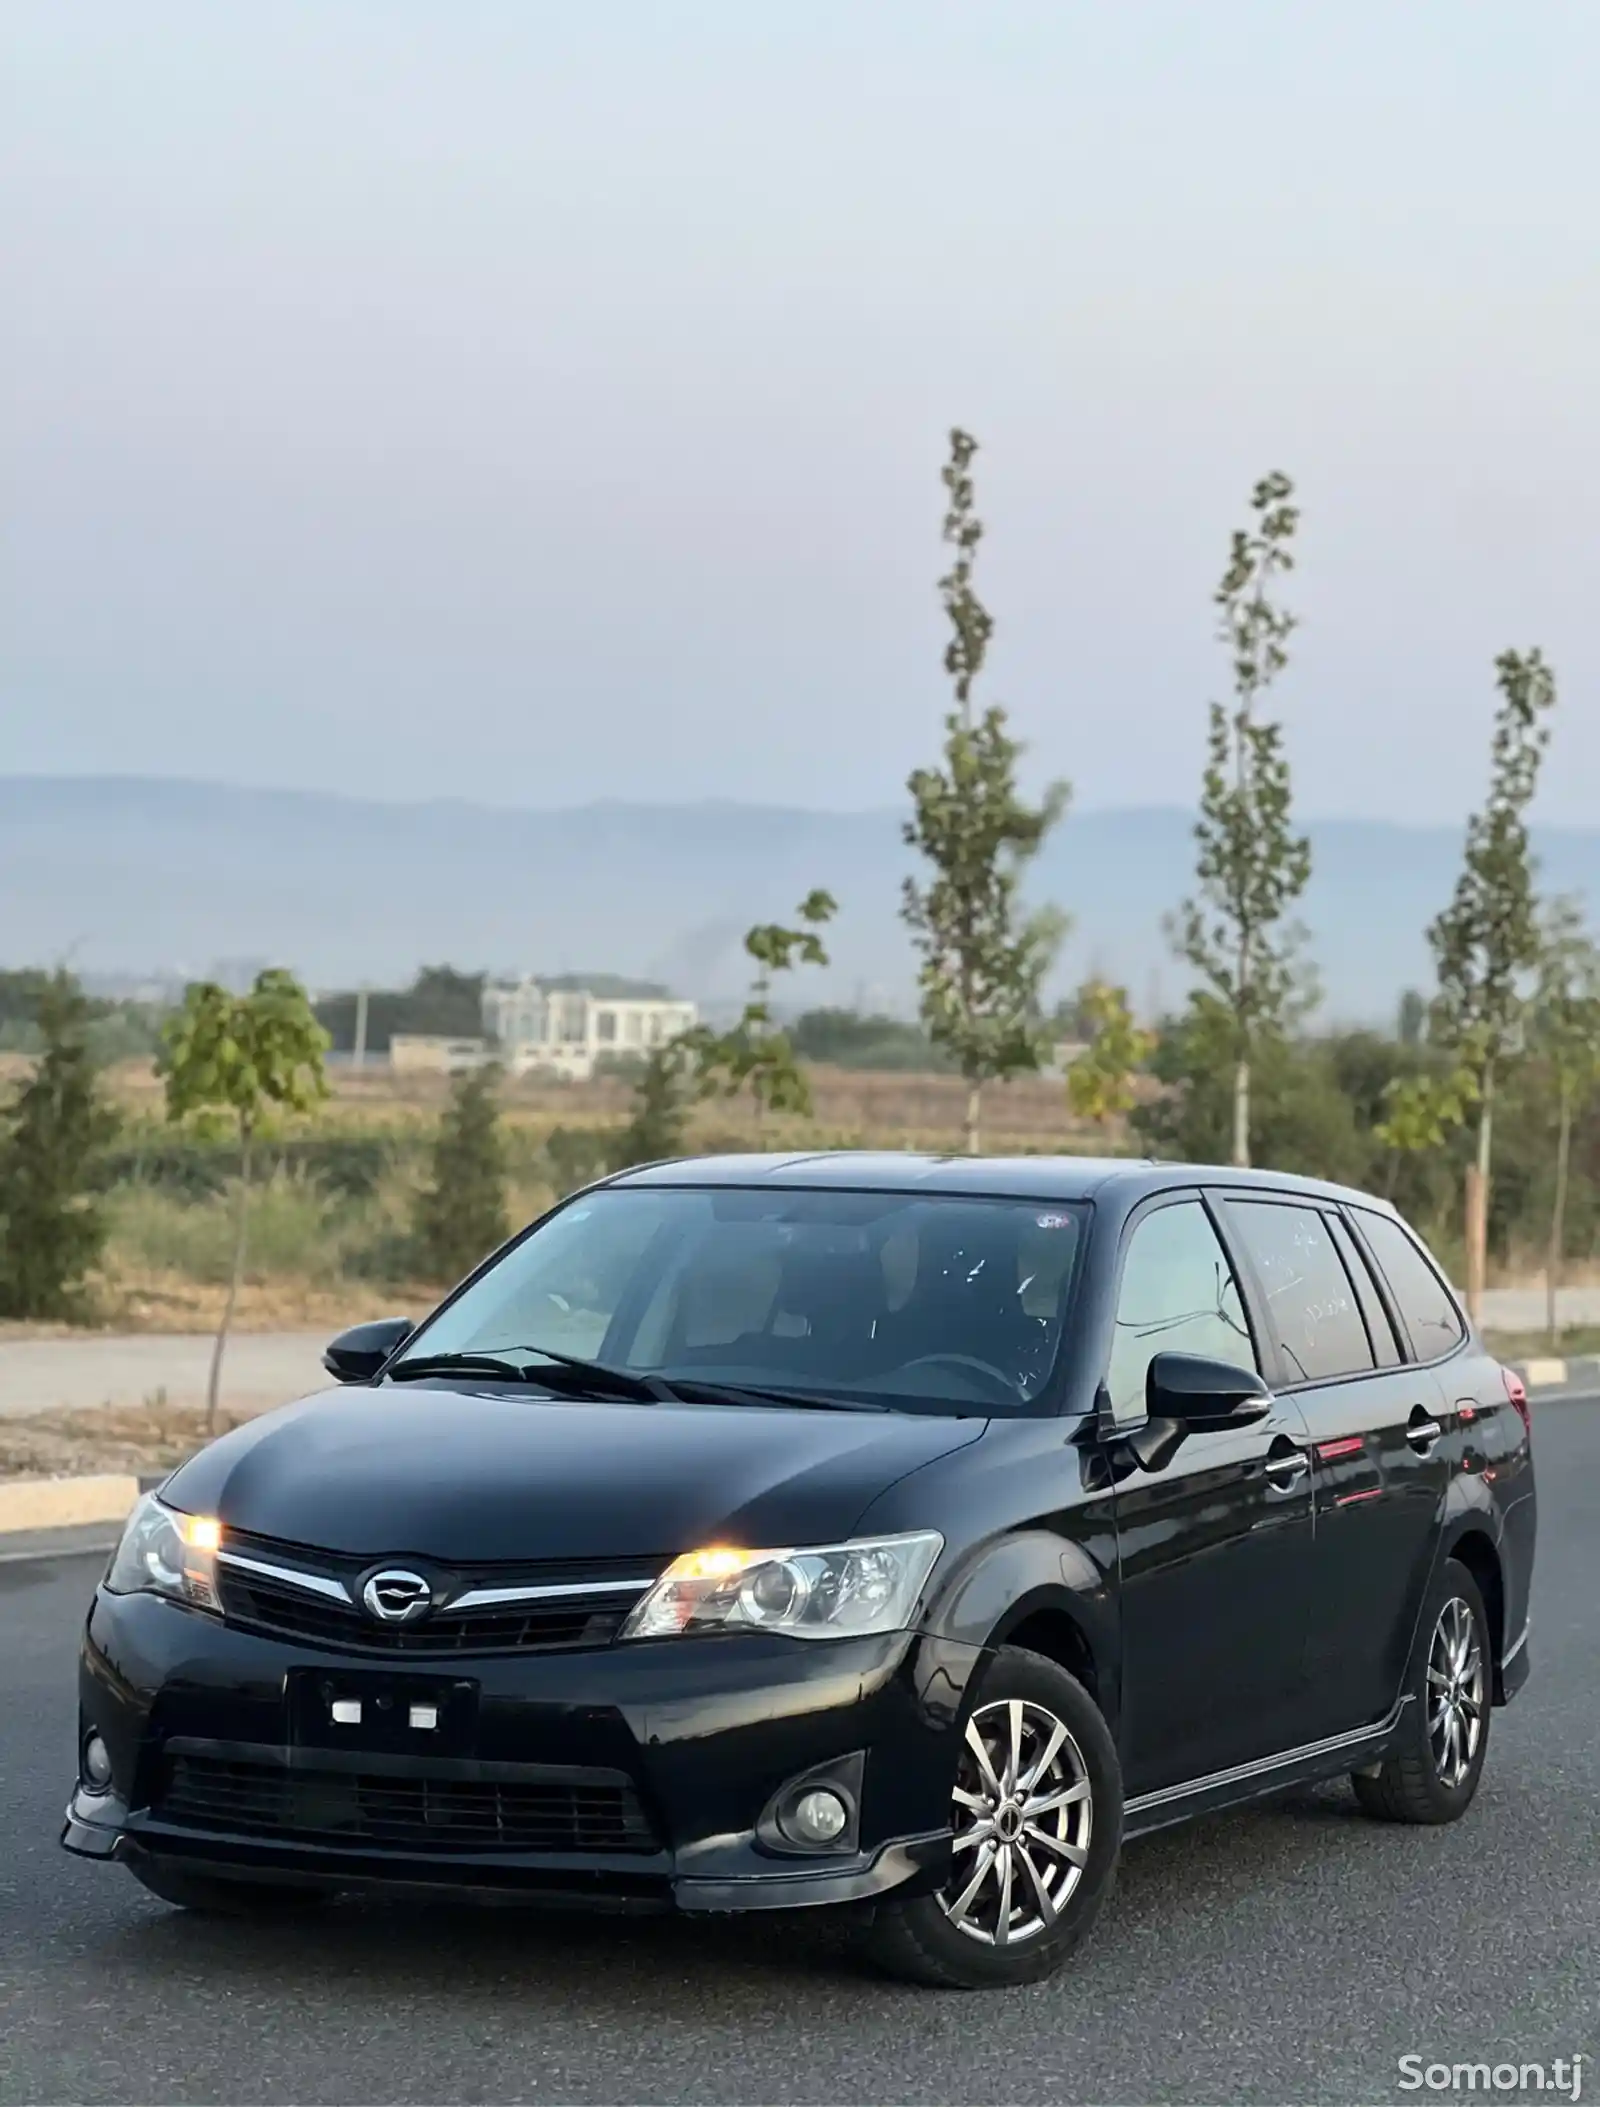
567 1030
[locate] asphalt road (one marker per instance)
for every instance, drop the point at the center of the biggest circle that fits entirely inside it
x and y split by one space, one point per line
1288 1954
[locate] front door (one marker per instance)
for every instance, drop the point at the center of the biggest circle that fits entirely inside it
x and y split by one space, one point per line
1215 1549
1378 1455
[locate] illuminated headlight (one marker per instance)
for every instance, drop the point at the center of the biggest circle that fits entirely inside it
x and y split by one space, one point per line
163 1552
837 1591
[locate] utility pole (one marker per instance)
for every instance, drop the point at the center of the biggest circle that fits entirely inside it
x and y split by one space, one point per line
358 1053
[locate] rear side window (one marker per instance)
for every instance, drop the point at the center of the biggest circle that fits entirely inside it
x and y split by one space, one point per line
1423 1300
1313 1316
1385 1347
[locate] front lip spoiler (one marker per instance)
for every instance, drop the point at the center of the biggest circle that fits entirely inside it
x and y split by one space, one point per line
555 1882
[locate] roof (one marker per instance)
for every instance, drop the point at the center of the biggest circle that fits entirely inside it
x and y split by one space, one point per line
996 1177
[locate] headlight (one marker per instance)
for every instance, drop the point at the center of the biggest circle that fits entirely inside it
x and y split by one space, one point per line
837 1591
163 1552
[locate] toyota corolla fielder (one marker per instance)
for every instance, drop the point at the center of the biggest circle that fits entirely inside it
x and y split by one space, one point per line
895 1533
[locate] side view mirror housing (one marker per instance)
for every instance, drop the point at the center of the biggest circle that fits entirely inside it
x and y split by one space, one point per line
1204 1396
357 1355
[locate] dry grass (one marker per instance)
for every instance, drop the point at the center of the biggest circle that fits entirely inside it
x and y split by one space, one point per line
851 1108
152 1436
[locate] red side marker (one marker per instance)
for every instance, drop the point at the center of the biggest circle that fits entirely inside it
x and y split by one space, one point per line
1351 1445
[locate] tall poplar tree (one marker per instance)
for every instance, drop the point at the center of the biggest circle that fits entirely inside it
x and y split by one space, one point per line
236 1062
1486 943
984 958
1252 866
1566 1036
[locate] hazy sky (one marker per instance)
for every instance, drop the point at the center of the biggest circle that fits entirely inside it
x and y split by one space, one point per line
541 402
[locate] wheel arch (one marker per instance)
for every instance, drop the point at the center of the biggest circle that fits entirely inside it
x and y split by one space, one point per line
1472 1546
1048 1595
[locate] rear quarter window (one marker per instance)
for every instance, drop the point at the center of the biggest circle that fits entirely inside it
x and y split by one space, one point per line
1427 1308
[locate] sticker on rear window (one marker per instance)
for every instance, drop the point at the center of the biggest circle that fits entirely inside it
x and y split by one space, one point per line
1052 1221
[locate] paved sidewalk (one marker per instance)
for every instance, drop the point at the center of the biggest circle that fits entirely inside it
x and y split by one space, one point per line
258 1370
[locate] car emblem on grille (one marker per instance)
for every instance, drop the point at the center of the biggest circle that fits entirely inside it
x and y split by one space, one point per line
397 1596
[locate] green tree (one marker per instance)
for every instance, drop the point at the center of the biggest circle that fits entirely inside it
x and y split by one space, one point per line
1566 1034
1251 866
1303 1119
52 1223
461 1212
754 1054
1486 943
983 959
237 1063
660 1110
1100 1081
853 1039
1411 1022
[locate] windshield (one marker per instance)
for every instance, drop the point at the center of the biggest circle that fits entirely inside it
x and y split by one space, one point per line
917 1302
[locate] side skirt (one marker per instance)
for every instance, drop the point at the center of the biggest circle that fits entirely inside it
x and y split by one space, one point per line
1268 1774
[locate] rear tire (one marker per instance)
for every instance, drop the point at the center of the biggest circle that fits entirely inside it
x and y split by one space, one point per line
217 1896
1037 1813
1431 1773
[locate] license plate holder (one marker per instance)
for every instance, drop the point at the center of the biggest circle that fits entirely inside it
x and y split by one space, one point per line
397 1715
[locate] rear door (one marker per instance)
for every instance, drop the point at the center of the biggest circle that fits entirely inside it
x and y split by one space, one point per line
1215 1549
1485 1445
1378 1465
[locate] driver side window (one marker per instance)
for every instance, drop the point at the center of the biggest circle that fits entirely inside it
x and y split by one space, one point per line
1177 1295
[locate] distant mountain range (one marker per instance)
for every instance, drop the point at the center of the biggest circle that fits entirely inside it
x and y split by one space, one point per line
165 877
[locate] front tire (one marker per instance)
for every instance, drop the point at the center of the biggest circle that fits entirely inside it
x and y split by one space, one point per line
215 1895
1431 1774
1036 1810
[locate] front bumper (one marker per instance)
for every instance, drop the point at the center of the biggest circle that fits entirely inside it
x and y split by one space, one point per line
697 1737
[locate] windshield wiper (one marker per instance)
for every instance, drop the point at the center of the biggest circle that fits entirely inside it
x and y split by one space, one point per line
565 1372
690 1386
460 1364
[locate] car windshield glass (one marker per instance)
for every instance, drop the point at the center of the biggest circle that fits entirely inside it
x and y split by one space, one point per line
912 1301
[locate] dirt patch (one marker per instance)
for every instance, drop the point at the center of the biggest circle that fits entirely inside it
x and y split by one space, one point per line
168 1302
153 1436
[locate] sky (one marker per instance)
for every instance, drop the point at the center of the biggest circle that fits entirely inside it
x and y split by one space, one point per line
544 402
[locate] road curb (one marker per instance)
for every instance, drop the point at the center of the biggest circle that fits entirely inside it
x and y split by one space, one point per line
1580 1373
38 1506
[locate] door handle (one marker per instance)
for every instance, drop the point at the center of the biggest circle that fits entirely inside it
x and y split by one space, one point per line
1285 1467
1422 1431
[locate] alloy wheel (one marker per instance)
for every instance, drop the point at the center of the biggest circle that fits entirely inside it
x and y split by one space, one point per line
1023 1810
1457 1692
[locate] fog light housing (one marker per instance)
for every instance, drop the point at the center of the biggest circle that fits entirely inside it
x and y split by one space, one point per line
96 1765
818 1813
816 1817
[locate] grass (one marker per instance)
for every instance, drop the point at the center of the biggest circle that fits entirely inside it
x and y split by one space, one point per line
319 1255
1533 1346
151 1436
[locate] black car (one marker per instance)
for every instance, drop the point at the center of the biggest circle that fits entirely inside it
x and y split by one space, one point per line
878 1530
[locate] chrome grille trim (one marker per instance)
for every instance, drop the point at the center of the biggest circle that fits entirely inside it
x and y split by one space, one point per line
564 1590
313 1583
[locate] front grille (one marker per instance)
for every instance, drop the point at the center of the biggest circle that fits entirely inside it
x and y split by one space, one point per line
241 1798
271 1605
265 1603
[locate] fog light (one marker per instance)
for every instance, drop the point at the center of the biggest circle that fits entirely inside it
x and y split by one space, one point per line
817 1817
96 1764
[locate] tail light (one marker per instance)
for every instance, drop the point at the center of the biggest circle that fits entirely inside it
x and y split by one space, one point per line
1517 1391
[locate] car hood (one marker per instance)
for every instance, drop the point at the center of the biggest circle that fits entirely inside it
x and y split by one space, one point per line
484 1476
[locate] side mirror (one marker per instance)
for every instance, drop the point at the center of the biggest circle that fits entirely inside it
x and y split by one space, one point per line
1204 1396
357 1355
